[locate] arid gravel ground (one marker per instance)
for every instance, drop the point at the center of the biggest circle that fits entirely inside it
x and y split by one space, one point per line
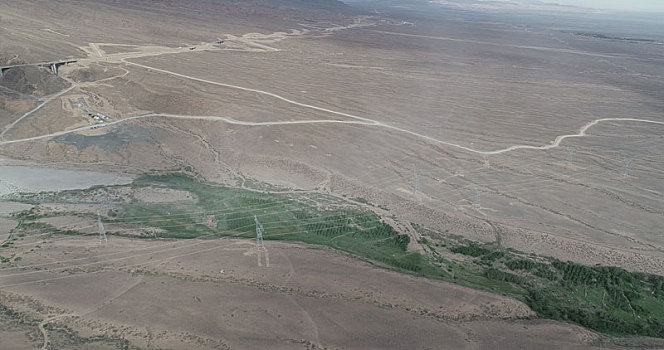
533 137
213 294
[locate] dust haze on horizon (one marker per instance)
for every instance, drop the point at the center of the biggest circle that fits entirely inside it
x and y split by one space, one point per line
637 5
606 5
331 174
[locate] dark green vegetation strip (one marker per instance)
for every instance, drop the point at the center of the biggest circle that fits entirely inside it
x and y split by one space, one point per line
605 299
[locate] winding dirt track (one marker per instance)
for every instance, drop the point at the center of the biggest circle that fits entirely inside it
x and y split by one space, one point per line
46 101
43 330
358 119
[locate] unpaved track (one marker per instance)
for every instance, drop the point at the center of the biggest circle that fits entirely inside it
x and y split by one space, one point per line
300 104
367 121
9 236
43 331
94 46
360 120
117 295
122 267
211 118
307 315
580 133
51 98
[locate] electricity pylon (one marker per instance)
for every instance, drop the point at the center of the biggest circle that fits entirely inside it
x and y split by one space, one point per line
570 155
477 198
102 234
625 168
416 180
260 248
259 235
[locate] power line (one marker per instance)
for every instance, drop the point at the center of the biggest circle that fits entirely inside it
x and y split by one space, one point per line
570 155
259 235
260 248
626 164
477 198
156 252
102 235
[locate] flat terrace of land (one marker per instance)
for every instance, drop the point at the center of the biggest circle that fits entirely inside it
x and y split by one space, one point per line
124 286
413 110
617 162
37 31
445 90
621 171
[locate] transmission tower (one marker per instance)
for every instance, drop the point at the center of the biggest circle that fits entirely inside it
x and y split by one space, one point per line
477 198
260 248
570 155
102 234
486 161
625 168
259 235
416 180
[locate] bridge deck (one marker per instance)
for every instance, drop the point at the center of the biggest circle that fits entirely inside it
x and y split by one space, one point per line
46 64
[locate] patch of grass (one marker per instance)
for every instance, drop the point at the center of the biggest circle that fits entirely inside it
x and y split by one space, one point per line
614 38
472 249
523 264
320 220
605 299
28 227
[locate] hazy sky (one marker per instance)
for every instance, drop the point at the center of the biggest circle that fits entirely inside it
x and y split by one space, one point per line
635 5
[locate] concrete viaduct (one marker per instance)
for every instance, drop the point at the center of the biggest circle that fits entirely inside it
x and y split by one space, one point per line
53 66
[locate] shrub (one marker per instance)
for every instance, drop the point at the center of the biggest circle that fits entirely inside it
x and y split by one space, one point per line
473 250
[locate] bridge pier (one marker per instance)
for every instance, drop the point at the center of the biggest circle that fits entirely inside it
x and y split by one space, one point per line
52 66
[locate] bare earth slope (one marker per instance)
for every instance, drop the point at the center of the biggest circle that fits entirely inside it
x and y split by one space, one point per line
179 295
455 125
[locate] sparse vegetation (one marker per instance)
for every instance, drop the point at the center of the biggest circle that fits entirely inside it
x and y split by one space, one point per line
340 226
342 125
616 38
471 250
320 220
605 299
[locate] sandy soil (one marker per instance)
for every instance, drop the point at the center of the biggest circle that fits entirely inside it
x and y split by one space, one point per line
15 340
584 203
481 128
212 294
